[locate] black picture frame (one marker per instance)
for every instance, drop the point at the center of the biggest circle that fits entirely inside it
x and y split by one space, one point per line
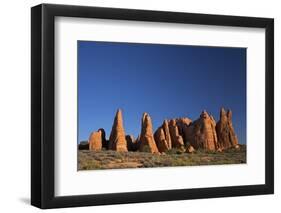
43 102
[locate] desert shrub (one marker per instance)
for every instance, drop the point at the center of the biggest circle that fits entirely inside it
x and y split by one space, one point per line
146 148
211 152
148 163
108 159
180 162
90 165
200 151
174 151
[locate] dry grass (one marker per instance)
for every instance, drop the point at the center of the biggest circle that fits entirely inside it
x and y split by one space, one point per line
106 159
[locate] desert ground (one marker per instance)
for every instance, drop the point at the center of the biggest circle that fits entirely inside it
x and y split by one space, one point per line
108 159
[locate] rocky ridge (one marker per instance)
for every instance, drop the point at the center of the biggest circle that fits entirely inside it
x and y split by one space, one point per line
180 133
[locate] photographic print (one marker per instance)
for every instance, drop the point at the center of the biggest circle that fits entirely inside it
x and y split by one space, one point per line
134 95
159 105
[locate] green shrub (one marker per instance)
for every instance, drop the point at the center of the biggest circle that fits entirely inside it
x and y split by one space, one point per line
174 151
146 148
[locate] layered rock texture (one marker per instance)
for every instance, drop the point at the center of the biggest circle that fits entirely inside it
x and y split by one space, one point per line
117 139
180 133
163 138
177 140
201 134
171 134
225 131
146 141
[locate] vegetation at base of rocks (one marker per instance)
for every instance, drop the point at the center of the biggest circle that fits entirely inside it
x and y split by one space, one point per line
175 151
108 159
146 148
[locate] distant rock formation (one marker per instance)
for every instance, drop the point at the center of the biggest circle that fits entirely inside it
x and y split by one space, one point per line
202 133
225 131
131 143
147 142
83 145
179 133
95 141
117 140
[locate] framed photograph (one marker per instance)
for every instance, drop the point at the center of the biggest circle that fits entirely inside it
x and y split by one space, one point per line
139 106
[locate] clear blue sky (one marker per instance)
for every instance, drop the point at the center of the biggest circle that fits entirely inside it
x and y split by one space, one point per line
167 81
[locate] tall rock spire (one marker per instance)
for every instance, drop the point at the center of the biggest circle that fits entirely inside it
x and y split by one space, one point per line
176 138
147 142
225 131
117 139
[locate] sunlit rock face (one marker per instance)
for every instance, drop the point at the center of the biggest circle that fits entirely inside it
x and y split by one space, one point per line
201 133
225 131
146 141
179 133
117 139
95 141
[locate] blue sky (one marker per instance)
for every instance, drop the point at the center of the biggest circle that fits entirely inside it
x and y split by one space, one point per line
166 81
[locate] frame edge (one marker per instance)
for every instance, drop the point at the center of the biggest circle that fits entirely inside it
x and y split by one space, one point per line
269 108
36 50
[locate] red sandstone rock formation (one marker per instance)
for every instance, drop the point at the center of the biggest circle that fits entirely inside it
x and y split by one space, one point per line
160 140
147 142
166 130
171 134
225 131
202 133
163 138
95 141
176 138
182 124
117 140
